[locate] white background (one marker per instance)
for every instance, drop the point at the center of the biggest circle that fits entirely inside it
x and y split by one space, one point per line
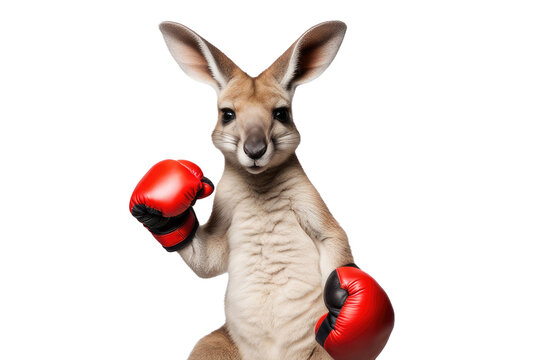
422 137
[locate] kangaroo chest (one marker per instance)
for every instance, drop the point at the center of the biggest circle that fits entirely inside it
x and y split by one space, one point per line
274 293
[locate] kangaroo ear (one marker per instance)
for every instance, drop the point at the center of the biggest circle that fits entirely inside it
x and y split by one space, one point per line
310 55
196 56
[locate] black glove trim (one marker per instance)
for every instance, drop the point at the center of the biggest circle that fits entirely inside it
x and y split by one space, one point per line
154 221
323 332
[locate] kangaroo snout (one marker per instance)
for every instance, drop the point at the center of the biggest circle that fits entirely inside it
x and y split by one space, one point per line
255 145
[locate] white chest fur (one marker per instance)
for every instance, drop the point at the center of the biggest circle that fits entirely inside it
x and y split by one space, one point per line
274 295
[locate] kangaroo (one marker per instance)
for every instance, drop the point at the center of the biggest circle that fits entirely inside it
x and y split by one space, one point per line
269 228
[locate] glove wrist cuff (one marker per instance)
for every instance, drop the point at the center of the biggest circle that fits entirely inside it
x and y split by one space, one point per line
181 236
322 330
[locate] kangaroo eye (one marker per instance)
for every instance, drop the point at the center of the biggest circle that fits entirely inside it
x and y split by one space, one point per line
227 115
281 114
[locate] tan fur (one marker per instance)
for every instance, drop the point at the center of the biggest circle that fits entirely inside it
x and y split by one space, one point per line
269 228
217 345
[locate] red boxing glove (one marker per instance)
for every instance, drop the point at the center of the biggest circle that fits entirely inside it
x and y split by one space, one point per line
163 201
360 317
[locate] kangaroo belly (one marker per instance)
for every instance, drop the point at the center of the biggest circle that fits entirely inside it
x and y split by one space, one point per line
274 295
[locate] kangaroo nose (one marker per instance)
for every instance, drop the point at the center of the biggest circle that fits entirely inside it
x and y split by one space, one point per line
255 148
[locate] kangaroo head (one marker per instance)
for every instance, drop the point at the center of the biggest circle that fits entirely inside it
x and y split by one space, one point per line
255 128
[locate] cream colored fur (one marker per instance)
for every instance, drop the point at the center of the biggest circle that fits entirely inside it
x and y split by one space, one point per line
269 228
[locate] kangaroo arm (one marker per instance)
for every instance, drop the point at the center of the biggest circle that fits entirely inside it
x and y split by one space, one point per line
330 239
208 253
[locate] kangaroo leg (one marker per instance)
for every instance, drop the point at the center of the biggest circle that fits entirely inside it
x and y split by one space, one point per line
217 345
319 353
